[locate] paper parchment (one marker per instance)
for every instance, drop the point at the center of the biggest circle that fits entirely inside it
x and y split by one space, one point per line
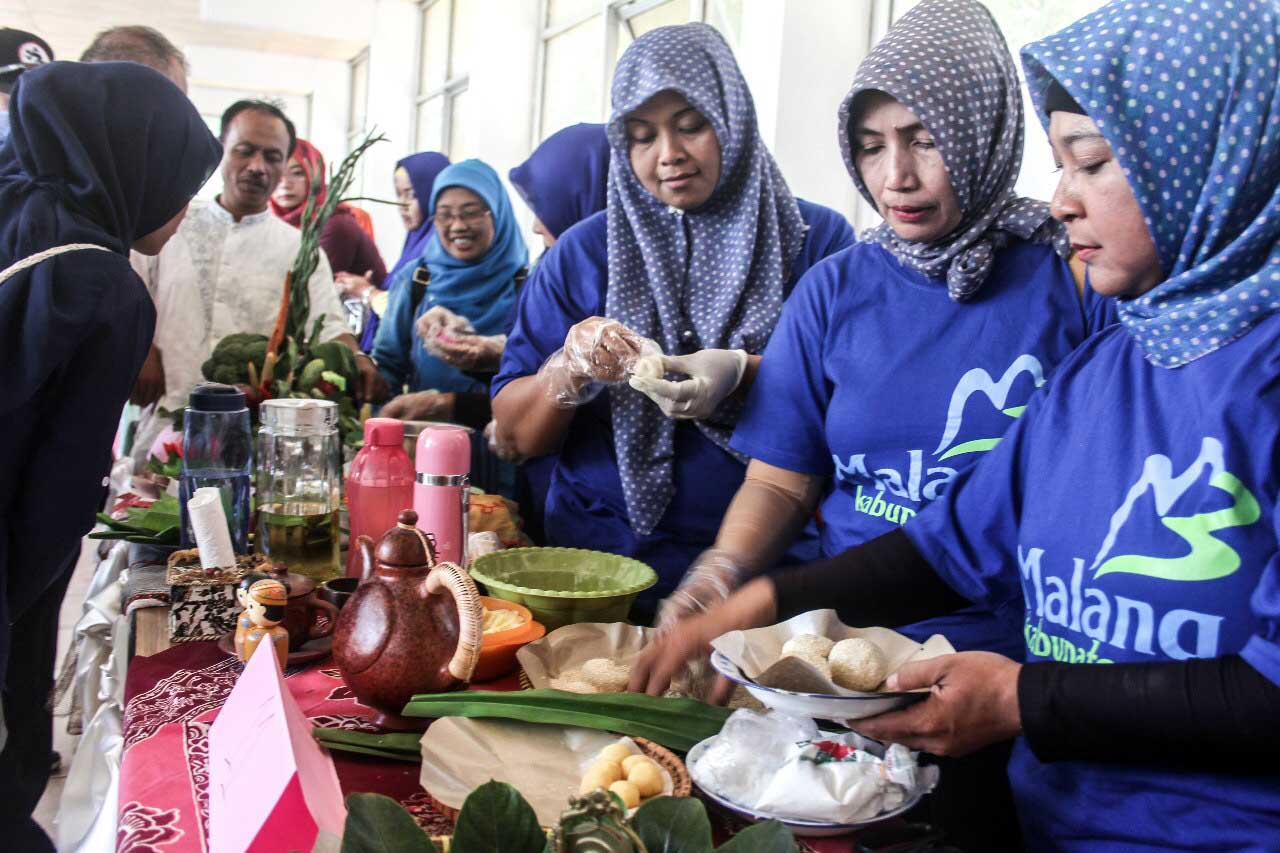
573 645
545 763
757 651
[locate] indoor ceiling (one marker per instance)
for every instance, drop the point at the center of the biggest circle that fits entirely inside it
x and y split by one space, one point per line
69 26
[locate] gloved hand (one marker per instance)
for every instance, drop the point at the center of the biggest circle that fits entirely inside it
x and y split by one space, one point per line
713 375
497 447
712 578
596 352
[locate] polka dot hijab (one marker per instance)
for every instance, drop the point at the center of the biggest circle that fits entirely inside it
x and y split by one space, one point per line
1186 92
948 63
710 278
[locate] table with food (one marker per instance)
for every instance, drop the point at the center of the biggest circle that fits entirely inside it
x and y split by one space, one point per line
428 682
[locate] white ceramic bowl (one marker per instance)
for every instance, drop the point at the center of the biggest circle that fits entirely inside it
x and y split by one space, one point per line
798 827
816 706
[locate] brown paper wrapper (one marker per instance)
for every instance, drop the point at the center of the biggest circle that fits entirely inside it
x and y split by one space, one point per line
758 652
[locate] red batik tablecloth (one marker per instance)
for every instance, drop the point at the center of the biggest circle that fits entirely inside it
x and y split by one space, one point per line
172 698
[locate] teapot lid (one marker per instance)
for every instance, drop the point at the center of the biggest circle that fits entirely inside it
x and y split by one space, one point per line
405 544
297 585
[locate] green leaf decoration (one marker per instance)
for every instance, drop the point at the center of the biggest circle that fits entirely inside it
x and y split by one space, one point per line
674 825
768 837
378 824
496 819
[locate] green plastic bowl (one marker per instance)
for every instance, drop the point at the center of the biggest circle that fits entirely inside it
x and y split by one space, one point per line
561 586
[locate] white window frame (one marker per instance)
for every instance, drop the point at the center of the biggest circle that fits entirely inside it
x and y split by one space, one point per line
613 13
454 85
356 132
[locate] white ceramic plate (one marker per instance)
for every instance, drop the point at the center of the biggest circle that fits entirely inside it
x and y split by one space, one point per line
798 827
816 706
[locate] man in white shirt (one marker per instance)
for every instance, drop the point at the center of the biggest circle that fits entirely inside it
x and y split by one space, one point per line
224 271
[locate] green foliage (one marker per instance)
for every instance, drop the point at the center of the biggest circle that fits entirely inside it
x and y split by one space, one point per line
496 819
378 824
229 363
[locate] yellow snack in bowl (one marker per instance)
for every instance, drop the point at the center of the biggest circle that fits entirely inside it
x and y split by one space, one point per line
616 752
500 620
602 774
647 778
632 760
629 793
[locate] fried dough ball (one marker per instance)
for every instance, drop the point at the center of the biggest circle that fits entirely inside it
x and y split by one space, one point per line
858 664
647 778
629 793
616 752
808 646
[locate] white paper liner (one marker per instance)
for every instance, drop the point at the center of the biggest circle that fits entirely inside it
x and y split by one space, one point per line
545 763
209 526
573 645
758 652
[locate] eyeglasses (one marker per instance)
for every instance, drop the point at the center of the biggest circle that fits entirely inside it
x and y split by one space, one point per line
467 216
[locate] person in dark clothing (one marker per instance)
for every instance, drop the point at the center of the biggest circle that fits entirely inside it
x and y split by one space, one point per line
103 158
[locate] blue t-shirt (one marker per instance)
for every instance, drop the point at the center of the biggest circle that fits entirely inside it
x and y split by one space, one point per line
1132 513
585 507
877 379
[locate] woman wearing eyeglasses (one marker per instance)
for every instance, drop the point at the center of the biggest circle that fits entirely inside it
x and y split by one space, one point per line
471 268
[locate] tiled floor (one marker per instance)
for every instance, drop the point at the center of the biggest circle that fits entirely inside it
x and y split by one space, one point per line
64 743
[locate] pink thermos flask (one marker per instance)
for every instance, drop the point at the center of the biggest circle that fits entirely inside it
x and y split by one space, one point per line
441 495
379 485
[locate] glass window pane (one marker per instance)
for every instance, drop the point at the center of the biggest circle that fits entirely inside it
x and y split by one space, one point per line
359 94
430 125
434 69
459 126
726 16
629 29
464 17
564 11
573 79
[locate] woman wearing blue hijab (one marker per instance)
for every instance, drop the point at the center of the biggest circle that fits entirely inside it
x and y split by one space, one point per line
1133 508
472 266
103 158
700 244
415 177
565 180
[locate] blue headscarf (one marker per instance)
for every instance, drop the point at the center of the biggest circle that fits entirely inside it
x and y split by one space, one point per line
565 179
483 291
1186 93
422 168
937 49
710 278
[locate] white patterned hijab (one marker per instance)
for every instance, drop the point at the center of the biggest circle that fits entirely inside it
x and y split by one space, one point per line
948 63
709 278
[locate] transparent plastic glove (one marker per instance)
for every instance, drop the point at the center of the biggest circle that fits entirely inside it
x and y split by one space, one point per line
713 375
497 447
712 578
468 352
439 319
596 352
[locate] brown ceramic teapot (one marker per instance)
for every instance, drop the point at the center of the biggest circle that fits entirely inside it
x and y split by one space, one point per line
411 627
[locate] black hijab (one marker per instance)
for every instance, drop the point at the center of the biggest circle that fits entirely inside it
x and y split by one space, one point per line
103 152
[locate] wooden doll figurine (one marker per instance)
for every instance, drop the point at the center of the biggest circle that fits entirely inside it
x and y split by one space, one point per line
265 604
243 622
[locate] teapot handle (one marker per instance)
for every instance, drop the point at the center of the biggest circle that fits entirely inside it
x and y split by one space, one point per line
470 616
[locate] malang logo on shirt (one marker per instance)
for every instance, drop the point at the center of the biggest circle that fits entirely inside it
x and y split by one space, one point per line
1124 622
921 484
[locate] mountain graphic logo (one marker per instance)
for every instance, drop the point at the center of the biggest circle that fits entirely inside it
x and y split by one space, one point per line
978 381
1208 557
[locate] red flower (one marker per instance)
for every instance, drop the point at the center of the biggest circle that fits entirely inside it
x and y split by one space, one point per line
173 448
129 500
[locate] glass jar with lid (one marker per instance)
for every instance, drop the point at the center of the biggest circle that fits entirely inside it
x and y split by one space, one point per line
299 474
